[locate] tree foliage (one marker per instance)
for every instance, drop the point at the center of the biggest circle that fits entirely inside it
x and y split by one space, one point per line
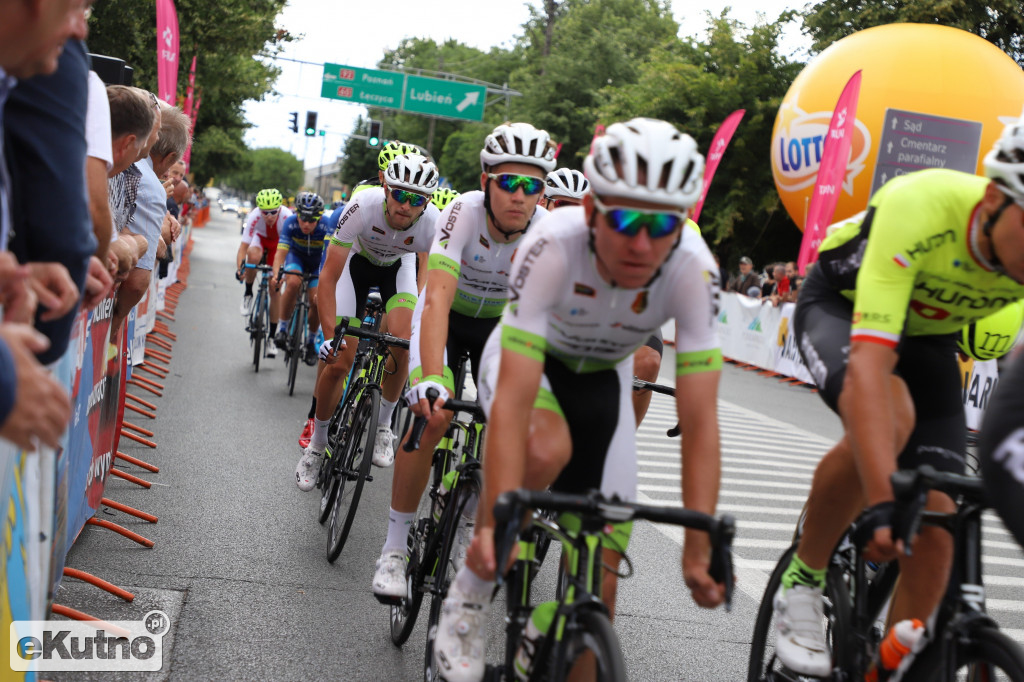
267 167
225 36
1001 22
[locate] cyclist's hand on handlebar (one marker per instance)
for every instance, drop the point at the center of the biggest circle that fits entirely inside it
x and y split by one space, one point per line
696 561
881 548
416 397
327 353
239 271
480 555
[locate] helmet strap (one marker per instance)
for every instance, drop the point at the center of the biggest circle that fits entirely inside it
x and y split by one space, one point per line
986 229
494 221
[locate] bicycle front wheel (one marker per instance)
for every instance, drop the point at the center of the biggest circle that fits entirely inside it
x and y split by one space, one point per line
355 467
591 644
295 345
983 654
764 666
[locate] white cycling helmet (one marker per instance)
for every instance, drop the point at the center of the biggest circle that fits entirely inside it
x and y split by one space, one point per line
1005 163
566 183
412 172
518 143
673 168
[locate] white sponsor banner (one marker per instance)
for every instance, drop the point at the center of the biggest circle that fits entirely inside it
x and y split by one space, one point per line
787 356
978 382
747 329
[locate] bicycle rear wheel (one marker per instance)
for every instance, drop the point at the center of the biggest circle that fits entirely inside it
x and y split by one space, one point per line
983 654
340 426
591 636
467 490
764 666
295 343
355 467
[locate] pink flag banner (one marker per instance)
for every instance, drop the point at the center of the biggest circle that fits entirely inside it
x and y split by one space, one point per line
718 145
190 91
598 132
835 158
187 158
167 50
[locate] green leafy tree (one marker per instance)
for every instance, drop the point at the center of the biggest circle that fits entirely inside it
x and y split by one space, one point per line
268 167
1001 22
696 86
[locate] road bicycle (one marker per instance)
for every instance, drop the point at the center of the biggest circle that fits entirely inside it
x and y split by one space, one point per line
580 620
258 326
353 430
961 642
298 326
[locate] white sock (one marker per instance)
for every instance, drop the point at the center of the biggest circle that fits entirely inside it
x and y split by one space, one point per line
387 408
318 441
281 326
398 531
470 583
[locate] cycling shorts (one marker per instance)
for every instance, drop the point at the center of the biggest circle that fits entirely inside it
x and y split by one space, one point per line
304 264
268 244
465 335
598 408
927 364
396 282
1001 448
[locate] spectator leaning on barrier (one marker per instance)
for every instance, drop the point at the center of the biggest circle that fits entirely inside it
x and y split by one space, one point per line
132 118
175 129
747 281
769 280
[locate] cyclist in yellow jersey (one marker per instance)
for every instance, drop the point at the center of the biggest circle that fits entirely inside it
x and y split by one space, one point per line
876 325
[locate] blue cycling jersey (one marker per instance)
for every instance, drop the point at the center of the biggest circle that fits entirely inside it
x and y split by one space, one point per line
292 239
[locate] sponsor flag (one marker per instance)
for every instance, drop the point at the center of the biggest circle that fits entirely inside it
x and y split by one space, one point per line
167 50
718 145
190 91
835 158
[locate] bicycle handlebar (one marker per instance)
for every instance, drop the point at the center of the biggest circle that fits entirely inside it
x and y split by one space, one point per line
451 404
343 329
512 506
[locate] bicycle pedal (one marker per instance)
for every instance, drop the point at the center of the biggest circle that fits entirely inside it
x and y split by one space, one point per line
369 478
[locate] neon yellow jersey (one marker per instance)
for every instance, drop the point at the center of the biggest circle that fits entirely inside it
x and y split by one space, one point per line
911 263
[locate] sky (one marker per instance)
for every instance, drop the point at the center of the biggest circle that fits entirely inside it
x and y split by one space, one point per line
360 35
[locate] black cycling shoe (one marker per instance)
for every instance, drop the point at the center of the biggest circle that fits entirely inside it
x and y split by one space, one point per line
281 339
310 355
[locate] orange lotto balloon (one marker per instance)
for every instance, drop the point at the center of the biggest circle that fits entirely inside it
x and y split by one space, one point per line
930 97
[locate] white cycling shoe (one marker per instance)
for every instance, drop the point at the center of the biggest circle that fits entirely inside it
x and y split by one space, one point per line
800 623
461 637
308 468
384 447
389 584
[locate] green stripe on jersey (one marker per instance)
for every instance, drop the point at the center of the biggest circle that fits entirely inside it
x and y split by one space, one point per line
698 361
524 343
444 263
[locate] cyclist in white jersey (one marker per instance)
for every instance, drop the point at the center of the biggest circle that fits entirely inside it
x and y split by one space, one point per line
259 242
376 244
467 287
587 288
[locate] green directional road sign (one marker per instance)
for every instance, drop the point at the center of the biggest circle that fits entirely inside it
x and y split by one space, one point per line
452 99
365 86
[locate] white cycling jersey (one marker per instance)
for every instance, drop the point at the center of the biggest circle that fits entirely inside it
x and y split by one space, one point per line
363 228
464 248
256 227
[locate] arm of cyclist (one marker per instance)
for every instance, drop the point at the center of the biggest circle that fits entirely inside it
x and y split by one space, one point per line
697 409
506 447
867 405
326 304
279 257
433 336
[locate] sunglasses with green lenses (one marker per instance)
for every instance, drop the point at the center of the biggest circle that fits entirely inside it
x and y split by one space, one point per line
402 196
629 221
511 182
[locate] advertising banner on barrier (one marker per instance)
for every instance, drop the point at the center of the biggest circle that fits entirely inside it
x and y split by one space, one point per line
787 355
978 380
748 329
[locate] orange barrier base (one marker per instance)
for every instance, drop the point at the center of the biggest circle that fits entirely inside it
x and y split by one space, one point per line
149 382
137 429
137 439
75 614
141 401
134 382
137 462
131 479
129 406
99 582
131 511
121 530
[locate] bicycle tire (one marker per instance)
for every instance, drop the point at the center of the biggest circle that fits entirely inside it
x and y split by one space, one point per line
591 632
763 666
340 425
257 340
357 456
423 544
295 345
982 654
466 489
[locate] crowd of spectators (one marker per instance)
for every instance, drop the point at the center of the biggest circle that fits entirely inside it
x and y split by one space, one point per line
780 282
88 176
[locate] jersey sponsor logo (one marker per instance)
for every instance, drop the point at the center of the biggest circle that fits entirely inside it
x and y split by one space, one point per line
524 268
934 241
378 230
953 297
901 260
484 242
453 213
408 241
348 214
876 318
582 289
444 243
640 302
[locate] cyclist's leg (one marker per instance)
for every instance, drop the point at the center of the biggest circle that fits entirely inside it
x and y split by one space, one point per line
400 300
269 248
930 369
293 271
646 365
253 256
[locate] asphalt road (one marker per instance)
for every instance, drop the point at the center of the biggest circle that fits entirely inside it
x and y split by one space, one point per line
239 561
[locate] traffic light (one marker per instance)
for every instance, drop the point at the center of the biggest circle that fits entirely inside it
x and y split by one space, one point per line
295 122
373 137
311 123
323 133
